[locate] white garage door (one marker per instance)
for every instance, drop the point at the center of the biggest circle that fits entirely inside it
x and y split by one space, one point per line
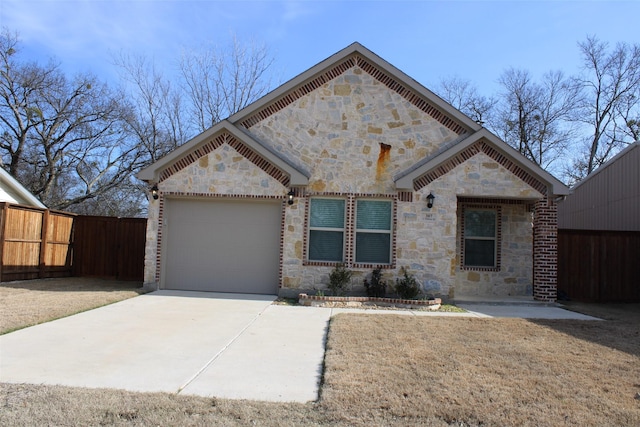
221 245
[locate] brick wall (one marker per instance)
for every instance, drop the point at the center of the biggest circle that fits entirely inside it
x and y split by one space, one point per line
545 250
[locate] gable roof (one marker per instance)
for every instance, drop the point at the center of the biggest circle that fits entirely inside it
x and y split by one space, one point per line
225 132
355 55
13 192
471 134
481 141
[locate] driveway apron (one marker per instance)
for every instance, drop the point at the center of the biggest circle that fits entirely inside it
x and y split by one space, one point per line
171 341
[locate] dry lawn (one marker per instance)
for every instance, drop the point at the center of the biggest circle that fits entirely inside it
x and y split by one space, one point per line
29 302
483 371
401 371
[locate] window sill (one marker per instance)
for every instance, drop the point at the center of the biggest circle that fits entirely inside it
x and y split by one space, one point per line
473 268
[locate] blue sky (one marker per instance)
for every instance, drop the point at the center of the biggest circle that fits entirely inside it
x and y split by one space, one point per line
428 40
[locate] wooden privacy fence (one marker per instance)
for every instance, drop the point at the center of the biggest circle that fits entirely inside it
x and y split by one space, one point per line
40 243
599 266
109 247
34 243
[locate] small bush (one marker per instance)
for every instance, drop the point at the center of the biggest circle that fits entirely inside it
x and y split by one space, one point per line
376 287
407 287
339 280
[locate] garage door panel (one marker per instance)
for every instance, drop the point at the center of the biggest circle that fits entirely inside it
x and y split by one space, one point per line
222 245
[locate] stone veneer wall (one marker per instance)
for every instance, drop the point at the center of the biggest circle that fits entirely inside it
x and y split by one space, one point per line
337 132
515 277
428 239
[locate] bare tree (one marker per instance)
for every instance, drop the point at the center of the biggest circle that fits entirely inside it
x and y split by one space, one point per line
610 105
535 118
62 138
157 122
221 81
464 96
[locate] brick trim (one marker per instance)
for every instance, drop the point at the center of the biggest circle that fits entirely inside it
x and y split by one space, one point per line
480 205
354 61
350 231
528 203
405 196
469 152
241 148
545 250
219 196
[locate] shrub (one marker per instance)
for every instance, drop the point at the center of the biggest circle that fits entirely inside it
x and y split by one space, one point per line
407 287
376 287
339 280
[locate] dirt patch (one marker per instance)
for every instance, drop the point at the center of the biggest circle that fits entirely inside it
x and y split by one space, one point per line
30 302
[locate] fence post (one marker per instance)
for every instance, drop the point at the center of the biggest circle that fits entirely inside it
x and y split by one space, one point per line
3 220
43 243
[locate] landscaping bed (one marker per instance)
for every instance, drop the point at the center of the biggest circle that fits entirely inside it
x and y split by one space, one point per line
368 302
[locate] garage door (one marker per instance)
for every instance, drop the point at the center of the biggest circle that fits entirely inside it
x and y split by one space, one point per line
221 245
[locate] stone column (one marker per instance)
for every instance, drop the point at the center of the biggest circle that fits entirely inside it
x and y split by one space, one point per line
545 250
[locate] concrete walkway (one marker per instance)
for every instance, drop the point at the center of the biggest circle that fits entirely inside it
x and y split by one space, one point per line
198 343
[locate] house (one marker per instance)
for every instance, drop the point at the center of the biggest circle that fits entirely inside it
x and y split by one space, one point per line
351 162
599 233
11 191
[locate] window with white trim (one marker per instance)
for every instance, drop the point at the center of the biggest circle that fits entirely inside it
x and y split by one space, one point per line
353 230
480 238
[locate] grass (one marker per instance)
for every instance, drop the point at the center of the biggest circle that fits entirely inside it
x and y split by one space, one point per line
29 302
404 370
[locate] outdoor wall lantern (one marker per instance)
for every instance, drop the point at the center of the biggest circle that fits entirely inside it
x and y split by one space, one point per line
430 199
154 191
290 195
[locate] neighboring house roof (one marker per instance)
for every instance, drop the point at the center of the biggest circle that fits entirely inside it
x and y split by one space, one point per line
472 136
13 192
607 199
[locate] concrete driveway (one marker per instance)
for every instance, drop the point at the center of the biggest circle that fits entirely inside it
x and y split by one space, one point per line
223 345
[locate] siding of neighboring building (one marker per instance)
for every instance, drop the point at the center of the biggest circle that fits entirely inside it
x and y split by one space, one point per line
609 199
599 233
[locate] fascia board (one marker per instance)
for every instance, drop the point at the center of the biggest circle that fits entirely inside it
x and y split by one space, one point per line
150 173
296 177
18 189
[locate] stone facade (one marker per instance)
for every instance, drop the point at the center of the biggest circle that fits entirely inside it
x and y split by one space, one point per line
355 135
354 132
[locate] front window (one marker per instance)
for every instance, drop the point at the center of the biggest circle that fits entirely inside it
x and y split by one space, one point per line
350 230
480 238
326 230
373 232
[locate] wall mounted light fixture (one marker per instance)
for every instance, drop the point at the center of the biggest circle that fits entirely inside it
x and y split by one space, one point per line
290 195
154 191
430 199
